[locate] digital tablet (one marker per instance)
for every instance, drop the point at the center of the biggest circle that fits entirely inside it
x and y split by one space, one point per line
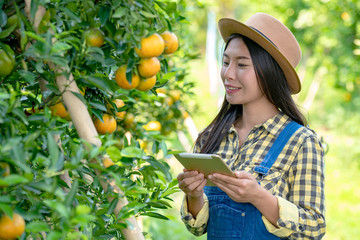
204 163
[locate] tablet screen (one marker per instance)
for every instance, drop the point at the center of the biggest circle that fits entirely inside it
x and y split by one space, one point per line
204 163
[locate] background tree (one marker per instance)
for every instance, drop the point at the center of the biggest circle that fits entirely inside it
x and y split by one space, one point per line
53 178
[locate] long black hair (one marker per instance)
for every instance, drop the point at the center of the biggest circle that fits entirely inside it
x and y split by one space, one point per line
273 84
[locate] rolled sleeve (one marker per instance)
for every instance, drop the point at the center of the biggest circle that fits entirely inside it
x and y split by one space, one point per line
196 226
288 212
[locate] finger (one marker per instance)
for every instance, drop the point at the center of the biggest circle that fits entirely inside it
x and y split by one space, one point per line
243 174
187 174
185 182
189 180
223 178
230 185
194 185
228 189
201 186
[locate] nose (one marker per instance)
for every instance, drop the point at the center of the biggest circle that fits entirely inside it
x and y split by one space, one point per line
228 72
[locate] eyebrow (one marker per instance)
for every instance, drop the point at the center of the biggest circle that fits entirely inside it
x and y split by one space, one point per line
237 57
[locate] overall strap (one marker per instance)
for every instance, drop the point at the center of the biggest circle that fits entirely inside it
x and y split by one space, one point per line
277 147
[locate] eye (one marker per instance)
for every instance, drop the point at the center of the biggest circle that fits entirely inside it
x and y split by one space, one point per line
242 65
225 63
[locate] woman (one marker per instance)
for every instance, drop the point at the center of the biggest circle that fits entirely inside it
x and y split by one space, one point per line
287 199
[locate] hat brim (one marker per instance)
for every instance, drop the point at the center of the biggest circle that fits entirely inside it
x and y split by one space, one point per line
229 26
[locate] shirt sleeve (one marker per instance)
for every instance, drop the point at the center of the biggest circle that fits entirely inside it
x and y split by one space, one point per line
196 226
302 213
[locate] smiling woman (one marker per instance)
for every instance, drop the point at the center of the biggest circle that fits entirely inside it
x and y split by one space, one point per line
278 188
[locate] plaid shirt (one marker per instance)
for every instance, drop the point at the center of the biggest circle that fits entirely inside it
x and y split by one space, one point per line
296 178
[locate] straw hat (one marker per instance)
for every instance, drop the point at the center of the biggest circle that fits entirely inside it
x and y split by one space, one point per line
274 37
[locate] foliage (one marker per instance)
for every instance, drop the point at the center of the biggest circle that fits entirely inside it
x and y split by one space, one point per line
42 149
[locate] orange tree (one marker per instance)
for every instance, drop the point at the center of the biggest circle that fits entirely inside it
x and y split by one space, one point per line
51 177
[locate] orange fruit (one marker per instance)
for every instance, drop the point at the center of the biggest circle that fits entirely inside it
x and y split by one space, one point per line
129 120
119 103
108 126
175 95
5 169
107 161
120 78
185 114
151 46
345 16
59 110
147 84
94 38
149 67
347 97
169 101
152 126
171 42
11 228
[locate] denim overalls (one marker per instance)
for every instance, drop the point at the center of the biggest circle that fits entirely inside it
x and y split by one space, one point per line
232 220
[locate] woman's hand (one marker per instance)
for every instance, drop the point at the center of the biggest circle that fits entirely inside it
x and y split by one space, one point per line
192 183
241 188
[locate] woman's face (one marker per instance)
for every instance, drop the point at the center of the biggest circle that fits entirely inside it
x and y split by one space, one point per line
238 75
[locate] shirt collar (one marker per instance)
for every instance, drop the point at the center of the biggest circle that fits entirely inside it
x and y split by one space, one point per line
272 125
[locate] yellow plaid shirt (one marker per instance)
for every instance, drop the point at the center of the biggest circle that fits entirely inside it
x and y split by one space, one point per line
296 178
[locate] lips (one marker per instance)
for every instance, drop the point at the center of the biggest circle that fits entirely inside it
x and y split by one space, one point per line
231 89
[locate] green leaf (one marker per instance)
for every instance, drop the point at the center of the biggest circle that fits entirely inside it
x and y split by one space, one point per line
13 179
114 153
35 36
119 12
155 215
53 235
98 82
7 32
70 14
3 18
104 14
19 157
168 76
112 206
33 9
60 47
169 192
71 195
148 14
36 227
53 149
132 152
59 60
164 148
20 113
6 209
98 105
118 226
59 207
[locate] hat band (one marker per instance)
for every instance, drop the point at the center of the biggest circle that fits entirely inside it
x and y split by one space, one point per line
263 36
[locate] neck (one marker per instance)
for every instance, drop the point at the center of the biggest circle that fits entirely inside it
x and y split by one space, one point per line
254 115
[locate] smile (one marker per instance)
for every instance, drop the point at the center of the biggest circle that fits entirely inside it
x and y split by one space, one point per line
232 88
